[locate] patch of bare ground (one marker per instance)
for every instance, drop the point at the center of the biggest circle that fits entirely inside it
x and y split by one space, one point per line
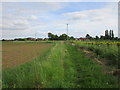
14 54
101 61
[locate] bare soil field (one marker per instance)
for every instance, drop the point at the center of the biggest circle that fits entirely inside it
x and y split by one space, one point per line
18 53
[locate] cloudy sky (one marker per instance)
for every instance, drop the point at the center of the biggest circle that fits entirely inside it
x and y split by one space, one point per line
23 19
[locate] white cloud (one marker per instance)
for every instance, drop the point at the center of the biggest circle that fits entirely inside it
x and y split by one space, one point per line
14 23
60 0
94 22
26 22
34 17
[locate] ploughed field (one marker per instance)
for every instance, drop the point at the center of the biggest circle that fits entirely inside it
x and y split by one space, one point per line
15 53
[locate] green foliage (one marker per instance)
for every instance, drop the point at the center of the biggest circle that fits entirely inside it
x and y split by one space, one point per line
52 36
110 52
52 70
109 35
88 36
96 37
61 37
89 74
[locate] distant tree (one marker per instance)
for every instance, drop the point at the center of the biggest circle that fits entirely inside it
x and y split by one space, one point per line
112 34
50 36
72 38
88 36
55 37
102 37
3 39
63 37
19 39
96 37
109 35
106 34
116 38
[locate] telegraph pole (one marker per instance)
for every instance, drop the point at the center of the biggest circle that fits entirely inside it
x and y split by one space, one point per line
67 32
35 36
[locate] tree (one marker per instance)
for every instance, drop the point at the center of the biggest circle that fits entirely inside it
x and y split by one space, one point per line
55 37
96 37
50 35
63 37
112 35
106 34
88 36
102 37
72 38
3 39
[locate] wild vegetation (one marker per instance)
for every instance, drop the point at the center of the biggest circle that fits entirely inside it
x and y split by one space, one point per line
62 66
105 49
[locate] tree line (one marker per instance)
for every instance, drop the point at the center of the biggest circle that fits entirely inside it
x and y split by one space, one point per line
109 35
61 37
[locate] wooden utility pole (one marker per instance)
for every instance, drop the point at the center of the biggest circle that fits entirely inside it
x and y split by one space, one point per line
67 32
35 36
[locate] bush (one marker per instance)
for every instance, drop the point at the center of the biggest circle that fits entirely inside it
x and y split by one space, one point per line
112 58
98 51
91 48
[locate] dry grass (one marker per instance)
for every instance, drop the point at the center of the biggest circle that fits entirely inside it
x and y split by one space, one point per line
18 53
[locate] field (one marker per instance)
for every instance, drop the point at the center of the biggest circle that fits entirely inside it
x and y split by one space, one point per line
106 50
19 53
64 65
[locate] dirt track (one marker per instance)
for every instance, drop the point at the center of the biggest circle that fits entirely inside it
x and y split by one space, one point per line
18 53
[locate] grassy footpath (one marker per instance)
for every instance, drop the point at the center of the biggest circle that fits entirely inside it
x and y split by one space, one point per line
63 66
46 71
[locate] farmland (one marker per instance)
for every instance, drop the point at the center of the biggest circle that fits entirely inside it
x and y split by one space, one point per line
63 65
18 53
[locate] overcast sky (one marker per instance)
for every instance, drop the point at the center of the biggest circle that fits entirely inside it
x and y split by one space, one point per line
22 19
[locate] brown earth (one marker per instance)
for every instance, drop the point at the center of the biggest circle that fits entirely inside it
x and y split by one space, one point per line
18 53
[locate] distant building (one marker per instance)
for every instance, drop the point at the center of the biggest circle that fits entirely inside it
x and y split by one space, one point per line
31 39
83 39
19 39
46 39
39 39
76 38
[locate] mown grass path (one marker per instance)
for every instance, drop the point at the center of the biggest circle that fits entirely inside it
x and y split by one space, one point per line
61 67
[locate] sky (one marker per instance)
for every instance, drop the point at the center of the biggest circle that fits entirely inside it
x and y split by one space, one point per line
25 19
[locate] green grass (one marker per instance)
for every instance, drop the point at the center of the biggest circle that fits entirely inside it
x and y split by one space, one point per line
90 74
103 51
63 66
29 41
46 71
